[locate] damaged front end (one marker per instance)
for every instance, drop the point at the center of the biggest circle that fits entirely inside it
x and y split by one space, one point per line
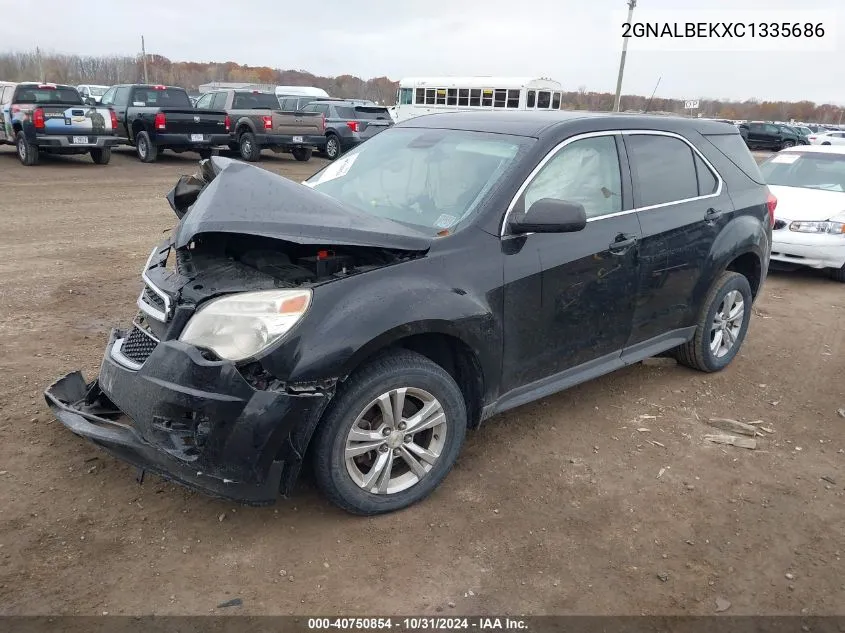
205 415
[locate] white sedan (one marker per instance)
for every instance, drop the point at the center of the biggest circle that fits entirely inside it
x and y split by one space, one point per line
809 184
831 137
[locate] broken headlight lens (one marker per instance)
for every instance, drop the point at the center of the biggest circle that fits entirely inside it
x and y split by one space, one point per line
239 326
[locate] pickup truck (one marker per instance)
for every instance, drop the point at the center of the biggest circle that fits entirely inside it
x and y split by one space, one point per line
51 118
257 122
155 118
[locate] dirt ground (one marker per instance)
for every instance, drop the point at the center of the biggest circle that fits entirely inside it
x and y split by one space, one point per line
567 505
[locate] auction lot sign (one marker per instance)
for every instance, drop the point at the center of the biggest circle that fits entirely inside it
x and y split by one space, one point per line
539 624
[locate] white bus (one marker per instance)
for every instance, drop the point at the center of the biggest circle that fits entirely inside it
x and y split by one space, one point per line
427 95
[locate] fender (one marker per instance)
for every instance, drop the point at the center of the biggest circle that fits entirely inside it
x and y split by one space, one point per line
743 234
343 330
244 121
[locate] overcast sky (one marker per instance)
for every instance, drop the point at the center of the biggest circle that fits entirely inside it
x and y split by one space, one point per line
576 42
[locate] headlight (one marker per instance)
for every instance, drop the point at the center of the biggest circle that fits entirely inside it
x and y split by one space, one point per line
238 326
818 227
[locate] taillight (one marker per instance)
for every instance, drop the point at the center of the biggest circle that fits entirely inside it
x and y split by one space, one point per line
227 122
160 122
352 125
38 118
771 203
811 138
113 120
268 122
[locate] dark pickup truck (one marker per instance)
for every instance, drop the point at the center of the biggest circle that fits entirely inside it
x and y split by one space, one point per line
50 118
155 118
257 122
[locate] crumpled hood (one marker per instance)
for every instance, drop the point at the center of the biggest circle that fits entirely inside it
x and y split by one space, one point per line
248 200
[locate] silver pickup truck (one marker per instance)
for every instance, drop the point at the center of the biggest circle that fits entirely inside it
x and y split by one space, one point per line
258 122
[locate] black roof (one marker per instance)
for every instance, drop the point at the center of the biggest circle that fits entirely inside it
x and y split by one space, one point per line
533 124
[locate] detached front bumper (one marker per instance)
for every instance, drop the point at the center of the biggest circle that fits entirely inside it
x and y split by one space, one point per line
65 141
191 420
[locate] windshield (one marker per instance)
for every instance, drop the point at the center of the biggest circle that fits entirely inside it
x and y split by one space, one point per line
97 91
59 94
807 170
428 178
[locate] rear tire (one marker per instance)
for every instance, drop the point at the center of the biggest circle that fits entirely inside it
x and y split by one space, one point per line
249 149
205 153
27 152
344 479
703 352
786 144
838 274
101 155
302 154
145 149
332 150
826 143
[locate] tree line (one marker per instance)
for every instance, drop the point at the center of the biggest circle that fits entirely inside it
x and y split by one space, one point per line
113 69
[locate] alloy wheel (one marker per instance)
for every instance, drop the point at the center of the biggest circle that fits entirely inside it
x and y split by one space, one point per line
727 323
396 440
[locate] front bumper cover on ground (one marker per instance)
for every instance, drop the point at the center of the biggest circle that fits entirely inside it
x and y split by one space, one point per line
191 420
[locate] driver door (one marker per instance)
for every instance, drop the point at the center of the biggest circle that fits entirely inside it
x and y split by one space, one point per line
569 298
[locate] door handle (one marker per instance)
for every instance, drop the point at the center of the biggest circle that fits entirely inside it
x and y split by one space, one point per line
711 215
622 243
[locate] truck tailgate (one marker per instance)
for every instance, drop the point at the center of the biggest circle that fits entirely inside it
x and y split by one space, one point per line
77 119
299 123
190 121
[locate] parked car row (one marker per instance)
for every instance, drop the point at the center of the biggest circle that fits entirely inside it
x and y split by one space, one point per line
154 118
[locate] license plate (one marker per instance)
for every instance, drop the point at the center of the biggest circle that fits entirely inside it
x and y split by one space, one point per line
297 139
80 140
197 137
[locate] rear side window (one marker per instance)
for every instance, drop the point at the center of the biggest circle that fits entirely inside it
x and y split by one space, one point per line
736 151
663 169
344 112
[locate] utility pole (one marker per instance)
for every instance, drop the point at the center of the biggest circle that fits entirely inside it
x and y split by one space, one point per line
631 5
144 54
41 76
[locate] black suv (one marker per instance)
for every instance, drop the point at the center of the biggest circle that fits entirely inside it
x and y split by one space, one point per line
451 268
771 136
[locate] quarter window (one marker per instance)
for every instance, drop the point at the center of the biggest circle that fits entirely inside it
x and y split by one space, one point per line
663 169
586 172
707 182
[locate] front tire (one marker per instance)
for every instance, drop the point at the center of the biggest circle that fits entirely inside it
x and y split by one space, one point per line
249 149
391 435
145 149
101 156
302 154
27 152
722 325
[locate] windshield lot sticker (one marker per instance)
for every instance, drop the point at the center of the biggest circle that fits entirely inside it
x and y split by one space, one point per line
786 158
338 169
445 221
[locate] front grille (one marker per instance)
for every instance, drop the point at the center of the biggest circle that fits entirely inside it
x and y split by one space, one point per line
138 345
779 224
153 298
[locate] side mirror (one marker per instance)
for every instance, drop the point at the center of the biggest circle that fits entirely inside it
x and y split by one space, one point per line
549 215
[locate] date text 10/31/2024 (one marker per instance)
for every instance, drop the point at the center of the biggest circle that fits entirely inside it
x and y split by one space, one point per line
419 624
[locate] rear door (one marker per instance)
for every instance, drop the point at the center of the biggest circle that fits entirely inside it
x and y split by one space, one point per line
682 205
5 121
